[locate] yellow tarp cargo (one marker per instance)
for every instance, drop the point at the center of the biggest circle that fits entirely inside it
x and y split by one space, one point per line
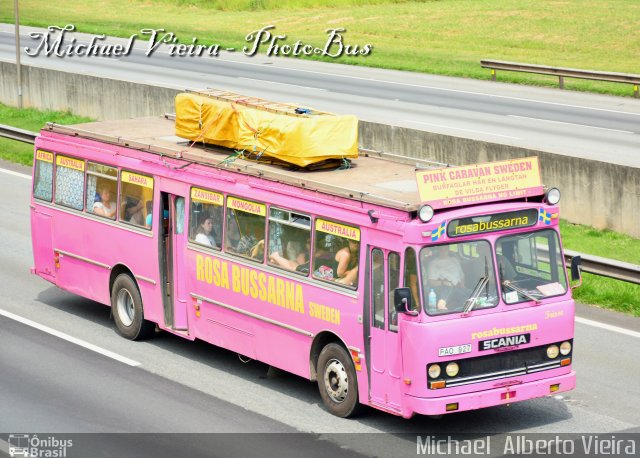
296 139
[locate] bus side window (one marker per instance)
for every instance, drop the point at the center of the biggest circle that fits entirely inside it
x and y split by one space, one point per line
43 176
69 182
377 287
336 253
102 185
411 277
245 228
206 218
289 240
393 266
136 199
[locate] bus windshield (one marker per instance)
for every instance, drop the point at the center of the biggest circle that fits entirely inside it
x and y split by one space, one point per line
458 277
530 266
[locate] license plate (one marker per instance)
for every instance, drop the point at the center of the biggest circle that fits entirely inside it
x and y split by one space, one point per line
455 350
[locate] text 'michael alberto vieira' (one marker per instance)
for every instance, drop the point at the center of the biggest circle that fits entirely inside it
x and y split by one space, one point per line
584 444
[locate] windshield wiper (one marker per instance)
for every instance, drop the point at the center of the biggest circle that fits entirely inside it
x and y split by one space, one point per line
471 302
519 290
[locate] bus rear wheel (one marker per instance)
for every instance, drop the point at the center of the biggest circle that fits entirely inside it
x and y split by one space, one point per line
337 381
126 306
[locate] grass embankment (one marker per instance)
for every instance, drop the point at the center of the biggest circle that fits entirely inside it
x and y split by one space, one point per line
33 120
601 291
446 37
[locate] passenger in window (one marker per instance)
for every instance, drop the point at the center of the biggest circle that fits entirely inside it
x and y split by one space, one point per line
342 266
204 233
148 219
251 243
300 261
347 259
133 211
232 234
105 207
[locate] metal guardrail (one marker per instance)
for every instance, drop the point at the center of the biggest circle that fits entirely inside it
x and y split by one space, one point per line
596 265
604 267
20 135
562 73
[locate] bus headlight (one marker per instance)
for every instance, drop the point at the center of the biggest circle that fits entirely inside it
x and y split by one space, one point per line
552 196
425 213
452 369
552 351
565 348
434 371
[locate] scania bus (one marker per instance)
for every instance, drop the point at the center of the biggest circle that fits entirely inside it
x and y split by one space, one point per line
405 285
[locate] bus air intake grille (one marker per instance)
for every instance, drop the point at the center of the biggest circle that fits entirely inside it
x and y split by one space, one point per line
499 365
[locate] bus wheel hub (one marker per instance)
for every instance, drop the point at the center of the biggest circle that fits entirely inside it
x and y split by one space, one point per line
336 381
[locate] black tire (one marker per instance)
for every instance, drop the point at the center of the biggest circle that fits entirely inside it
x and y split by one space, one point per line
126 307
337 381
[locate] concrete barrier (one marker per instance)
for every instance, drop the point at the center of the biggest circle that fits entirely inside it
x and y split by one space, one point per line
603 195
86 95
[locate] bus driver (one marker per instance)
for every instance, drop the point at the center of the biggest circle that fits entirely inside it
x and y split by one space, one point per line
444 274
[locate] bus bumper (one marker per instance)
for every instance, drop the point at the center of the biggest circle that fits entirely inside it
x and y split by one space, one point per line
488 398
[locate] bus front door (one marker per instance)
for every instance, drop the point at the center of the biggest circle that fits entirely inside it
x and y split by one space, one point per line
173 246
386 361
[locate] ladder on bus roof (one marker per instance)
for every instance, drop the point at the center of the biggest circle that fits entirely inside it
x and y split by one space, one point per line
261 104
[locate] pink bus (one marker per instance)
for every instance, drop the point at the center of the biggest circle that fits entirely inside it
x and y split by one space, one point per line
350 278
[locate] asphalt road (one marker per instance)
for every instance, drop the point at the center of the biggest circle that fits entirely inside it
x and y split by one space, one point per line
51 385
577 124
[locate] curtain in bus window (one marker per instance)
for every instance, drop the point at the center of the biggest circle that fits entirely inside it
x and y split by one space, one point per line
275 238
69 184
91 190
180 215
43 180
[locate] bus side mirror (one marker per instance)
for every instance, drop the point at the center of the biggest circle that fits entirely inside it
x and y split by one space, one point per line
402 301
576 264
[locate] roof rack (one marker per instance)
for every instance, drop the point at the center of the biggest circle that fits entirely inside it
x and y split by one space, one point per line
261 104
418 163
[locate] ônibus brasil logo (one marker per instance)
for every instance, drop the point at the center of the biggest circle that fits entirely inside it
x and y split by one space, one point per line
30 445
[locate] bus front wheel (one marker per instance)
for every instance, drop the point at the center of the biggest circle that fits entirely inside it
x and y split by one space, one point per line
337 381
126 306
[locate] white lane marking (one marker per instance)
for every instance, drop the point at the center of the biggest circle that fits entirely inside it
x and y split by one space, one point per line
572 124
608 327
165 84
68 338
283 84
466 130
17 174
